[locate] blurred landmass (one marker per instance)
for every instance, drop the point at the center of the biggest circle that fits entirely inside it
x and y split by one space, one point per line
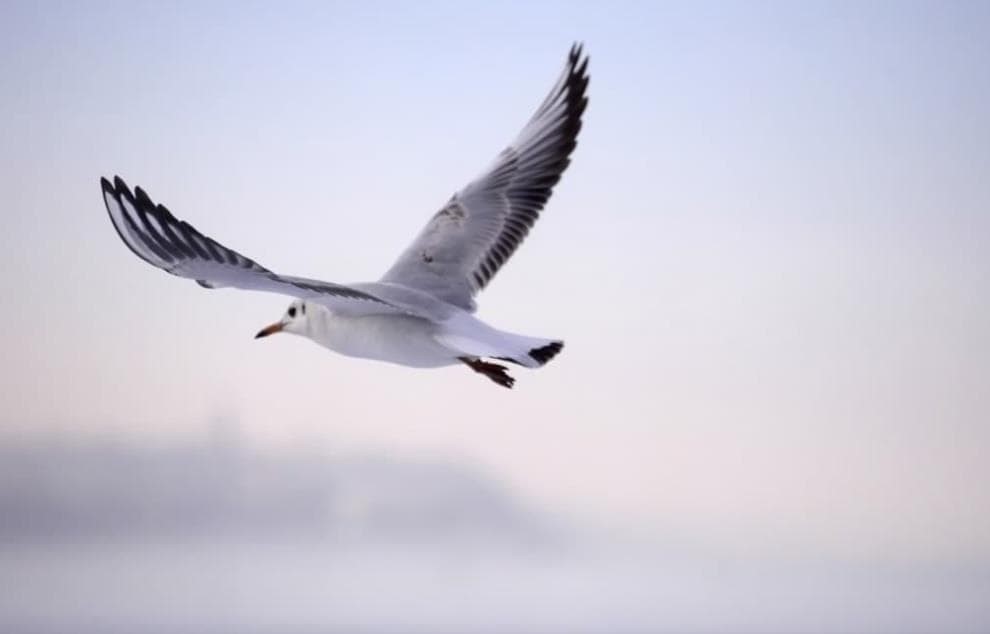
218 488
209 536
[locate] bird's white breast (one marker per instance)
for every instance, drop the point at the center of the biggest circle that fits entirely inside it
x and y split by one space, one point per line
400 339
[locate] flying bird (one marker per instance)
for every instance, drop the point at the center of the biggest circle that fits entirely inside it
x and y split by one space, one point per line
421 312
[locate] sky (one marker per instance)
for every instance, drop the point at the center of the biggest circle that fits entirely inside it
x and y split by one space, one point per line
768 257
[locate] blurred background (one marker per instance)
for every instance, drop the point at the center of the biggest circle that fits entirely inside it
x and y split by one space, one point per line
768 259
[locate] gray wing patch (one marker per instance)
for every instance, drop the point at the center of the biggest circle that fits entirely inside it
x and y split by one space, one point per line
465 244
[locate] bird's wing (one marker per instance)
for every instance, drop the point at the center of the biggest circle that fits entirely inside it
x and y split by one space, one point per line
176 247
465 243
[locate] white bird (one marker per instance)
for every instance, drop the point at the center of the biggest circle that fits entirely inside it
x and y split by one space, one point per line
420 313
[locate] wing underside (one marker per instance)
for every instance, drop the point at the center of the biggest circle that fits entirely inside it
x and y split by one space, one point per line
156 236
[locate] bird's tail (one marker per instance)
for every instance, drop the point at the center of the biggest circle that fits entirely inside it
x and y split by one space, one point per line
531 352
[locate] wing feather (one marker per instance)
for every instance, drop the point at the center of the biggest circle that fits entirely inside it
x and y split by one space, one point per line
465 244
156 236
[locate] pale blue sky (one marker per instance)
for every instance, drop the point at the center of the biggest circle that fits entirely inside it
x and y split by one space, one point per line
768 257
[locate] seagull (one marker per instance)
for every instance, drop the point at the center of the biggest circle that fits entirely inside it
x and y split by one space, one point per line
421 312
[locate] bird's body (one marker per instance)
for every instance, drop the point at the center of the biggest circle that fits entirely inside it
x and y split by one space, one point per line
402 339
415 341
420 314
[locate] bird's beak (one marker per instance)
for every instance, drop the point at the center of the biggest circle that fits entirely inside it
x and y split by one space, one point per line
270 330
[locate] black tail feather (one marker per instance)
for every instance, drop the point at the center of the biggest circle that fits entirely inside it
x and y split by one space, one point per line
547 352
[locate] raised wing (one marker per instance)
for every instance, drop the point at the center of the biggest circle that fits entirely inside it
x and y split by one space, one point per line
465 243
176 247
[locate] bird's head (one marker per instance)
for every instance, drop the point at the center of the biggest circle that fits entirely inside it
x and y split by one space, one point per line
294 321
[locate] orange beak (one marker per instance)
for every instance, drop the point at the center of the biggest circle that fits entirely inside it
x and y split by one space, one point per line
269 330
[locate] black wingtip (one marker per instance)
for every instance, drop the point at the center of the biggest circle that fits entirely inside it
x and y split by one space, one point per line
577 58
120 186
142 197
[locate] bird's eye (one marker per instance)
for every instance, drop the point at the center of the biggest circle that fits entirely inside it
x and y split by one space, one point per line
292 311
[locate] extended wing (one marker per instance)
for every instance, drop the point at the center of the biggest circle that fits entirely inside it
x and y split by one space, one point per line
465 243
176 247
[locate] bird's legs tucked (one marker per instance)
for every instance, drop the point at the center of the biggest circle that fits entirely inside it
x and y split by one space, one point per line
494 371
